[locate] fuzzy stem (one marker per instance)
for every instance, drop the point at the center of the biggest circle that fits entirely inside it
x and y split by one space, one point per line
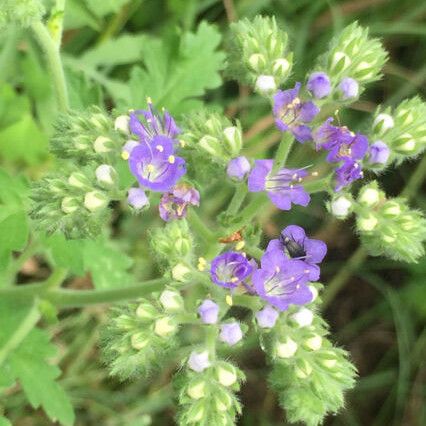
63 298
200 227
238 198
283 151
54 63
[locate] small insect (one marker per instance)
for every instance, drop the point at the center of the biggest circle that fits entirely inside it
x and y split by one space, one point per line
294 249
233 238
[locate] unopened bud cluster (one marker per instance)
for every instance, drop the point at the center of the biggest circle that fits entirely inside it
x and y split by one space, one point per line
262 48
21 12
212 136
389 226
403 129
138 336
207 393
309 372
355 55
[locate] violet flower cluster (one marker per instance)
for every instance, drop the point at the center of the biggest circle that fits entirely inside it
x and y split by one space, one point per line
154 162
286 267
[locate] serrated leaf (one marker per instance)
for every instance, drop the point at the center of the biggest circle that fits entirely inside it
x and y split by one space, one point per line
125 49
107 264
175 79
37 377
66 253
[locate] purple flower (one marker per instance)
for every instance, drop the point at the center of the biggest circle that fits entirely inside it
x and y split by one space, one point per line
291 114
149 123
230 333
229 269
349 171
173 205
128 148
340 142
137 198
267 317
283 187
319 85
155 166
199 361
282 281
238 168
209 312
297 245
349 88
378 153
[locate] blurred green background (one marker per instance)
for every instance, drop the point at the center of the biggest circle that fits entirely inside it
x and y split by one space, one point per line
378 314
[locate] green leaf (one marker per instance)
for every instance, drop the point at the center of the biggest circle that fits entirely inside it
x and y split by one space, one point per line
4 422
124 49
107 264
37 377
23 142
66 253
13 190
105 7
175 79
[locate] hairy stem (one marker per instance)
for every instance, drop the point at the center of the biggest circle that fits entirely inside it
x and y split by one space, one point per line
283 151
54 63
238 198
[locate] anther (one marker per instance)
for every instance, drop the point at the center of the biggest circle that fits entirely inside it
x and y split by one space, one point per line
171 159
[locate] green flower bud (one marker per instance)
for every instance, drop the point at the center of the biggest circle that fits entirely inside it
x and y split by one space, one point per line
121 124
339 63
181 272
341 206
139 341
314 343
21 12
223 400
70 205
257 62
234 140
103 145
146 311
286 349
369 196
164 327
367 223
197 390
79 180
382 123
95 201
226 374
172 301
303 369
106 176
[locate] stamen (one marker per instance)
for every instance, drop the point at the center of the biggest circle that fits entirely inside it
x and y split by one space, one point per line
314 174
277 268
159 148
234 279
171 159
148 100
240 245
182 143
150 168
125 155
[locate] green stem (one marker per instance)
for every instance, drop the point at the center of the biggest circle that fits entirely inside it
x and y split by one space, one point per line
319 185
29 251
63 298
250 211
238 198
54 63
283 151
56 278
200 227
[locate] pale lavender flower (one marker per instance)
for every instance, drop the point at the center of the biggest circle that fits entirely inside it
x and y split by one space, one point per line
238 168
348 172
319 85
349 88
267 317
230 269
230 333
137 198
378 153
174 204
209 312
199 361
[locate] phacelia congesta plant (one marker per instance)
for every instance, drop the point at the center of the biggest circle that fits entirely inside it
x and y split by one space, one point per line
173 165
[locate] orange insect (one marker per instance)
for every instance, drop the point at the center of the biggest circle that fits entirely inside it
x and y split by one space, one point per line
233 238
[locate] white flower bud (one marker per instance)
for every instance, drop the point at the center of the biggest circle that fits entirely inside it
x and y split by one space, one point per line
314 342
164 327
265 84
286 349
233 138
363 68
211 145
171 300
340 207
138 341
197 391
106 175
197 414
95 201
303 317
369 197
78 180
121 124
367 223
227 376
392 209
69 205
382 123
102 145
181 272
409 145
